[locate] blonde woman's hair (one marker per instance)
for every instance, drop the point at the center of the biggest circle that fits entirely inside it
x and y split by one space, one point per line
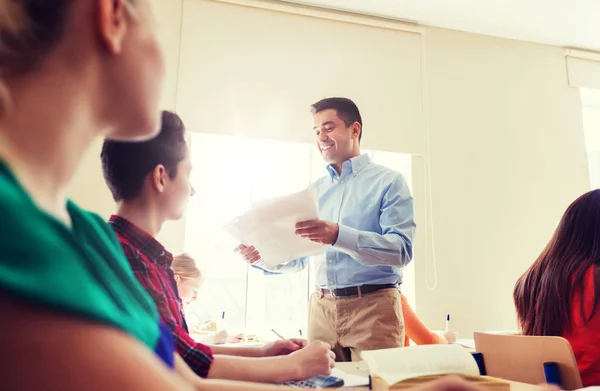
184 266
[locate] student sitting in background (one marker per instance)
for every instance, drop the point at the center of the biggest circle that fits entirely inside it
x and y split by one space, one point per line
417 332
189 281
149 181
560 292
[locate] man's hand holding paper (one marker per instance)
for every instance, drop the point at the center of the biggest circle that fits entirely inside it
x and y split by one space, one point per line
271 228
318 231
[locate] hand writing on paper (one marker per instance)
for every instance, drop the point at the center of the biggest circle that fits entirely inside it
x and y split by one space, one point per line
249 253
315 359
284 347
318 231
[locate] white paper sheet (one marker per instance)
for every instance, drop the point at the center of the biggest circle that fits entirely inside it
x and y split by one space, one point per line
350 379
270 227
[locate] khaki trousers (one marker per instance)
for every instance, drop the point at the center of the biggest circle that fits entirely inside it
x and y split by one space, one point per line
355 323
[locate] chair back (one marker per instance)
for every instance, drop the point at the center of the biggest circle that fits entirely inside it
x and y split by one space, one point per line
521 358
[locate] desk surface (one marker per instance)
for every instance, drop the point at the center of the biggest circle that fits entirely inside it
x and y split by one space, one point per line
353 368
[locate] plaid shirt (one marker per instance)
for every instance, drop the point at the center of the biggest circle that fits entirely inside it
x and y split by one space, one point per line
151 264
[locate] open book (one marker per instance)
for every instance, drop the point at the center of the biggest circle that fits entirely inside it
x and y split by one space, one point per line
405 367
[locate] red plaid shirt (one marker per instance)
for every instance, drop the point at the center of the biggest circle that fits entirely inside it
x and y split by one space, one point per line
151 264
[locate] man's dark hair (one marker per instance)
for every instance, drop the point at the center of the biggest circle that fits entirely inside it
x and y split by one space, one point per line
127 164
346 110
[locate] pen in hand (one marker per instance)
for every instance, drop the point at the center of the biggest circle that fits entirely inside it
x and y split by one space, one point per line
277 334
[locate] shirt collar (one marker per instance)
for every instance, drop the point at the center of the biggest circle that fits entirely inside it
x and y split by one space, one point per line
352 165
141 240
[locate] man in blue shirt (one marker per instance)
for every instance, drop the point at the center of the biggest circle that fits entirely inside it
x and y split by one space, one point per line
366 213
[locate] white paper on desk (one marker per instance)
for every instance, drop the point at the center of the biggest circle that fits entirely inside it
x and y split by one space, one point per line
350 379
270 227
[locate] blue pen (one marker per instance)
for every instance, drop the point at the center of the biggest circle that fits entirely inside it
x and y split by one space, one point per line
448 322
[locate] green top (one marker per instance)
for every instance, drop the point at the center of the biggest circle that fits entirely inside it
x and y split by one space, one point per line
80 270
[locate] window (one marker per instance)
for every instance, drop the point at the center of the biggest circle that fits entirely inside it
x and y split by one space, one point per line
590 101
230 174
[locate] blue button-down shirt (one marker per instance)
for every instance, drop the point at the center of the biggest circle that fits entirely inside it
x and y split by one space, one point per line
374 209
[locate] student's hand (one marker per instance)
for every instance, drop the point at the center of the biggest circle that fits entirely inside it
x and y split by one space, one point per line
238 338
221 337
249 253
449 336
319 231
313 360
284 347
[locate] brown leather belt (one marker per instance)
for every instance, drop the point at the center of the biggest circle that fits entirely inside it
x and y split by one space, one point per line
356 290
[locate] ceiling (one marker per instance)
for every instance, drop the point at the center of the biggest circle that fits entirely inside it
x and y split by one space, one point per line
569 23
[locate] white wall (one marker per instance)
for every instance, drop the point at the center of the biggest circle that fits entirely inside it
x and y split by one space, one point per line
507 154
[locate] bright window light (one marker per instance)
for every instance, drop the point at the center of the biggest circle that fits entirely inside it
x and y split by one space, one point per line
230 174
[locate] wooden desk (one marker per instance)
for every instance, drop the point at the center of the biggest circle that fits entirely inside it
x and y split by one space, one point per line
352 367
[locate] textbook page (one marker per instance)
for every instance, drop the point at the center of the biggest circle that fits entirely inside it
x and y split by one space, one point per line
270 226
396 365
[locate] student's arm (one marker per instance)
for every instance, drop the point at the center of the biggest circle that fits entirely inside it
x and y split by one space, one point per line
228 385
294 266
68 353
315 359
277 348
394 246
198 356
414 328
218 385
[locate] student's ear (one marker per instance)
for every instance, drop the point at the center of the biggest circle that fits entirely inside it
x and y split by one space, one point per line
112 23
356 129
177 278
159 178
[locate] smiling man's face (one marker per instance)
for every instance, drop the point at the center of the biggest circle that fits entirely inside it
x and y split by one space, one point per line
335 140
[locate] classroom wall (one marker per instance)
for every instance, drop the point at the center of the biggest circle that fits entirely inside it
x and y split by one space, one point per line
507 156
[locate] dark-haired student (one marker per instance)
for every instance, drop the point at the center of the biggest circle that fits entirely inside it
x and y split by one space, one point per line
150 183
366 213
560 293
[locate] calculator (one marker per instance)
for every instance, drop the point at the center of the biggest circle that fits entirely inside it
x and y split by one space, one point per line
316 382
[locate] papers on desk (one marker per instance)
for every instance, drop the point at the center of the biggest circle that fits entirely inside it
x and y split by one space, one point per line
350 379
270 227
